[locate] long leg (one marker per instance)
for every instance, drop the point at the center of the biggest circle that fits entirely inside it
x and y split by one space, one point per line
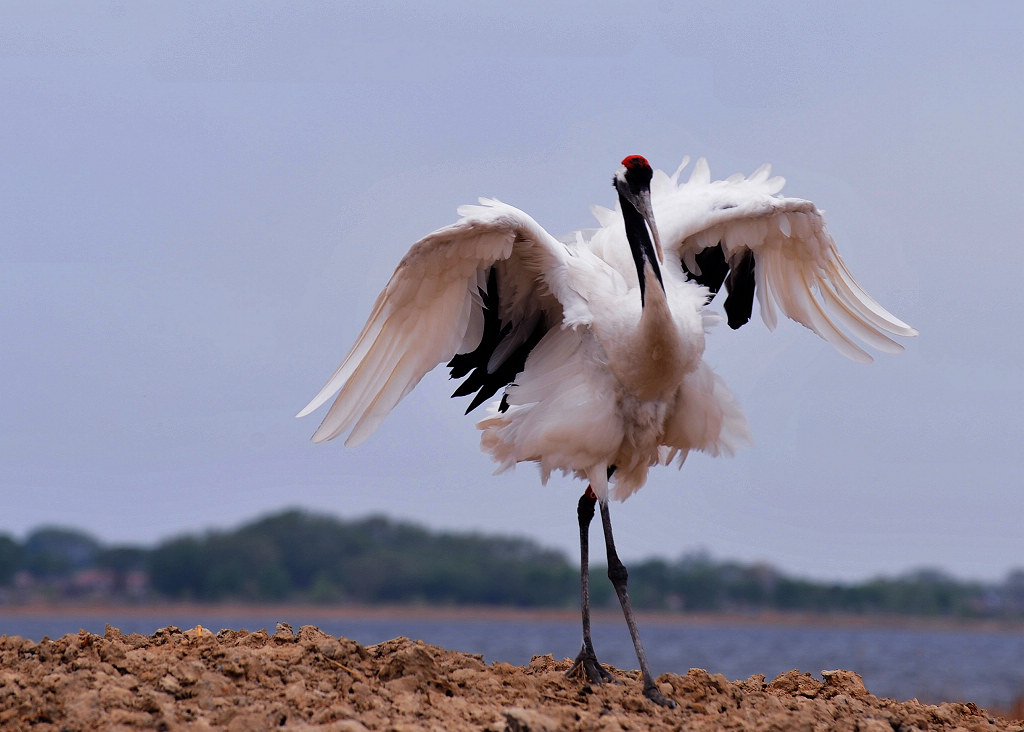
586 661
618 575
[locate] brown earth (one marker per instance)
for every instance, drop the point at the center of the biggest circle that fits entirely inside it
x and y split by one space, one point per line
237 680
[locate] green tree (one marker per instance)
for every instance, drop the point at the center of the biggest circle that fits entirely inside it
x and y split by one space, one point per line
53 551
11 558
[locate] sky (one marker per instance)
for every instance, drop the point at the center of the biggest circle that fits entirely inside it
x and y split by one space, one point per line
200 201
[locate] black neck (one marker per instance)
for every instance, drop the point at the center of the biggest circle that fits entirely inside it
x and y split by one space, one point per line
640 244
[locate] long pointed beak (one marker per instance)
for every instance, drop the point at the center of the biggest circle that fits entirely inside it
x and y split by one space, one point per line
642 202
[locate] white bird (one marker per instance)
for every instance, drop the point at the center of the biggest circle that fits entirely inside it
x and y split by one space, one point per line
596 340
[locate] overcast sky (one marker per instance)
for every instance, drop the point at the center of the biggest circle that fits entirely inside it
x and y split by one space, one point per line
199 203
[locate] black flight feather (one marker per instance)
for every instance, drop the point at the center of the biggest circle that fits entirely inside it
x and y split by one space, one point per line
740 285
713 269
473 365
737 276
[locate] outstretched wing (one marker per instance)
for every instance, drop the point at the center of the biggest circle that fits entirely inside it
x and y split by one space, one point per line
482 287
740 233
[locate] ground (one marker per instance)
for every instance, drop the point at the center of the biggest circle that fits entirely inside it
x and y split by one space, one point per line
237 680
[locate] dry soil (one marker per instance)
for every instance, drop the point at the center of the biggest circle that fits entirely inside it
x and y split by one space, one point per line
240 681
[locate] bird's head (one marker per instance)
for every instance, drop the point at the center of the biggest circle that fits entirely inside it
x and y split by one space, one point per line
633 182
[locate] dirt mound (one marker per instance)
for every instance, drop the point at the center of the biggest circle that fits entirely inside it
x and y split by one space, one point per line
237 680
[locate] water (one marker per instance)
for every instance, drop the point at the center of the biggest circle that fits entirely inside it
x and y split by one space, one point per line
933 665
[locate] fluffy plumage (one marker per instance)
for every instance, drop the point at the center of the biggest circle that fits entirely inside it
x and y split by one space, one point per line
591 379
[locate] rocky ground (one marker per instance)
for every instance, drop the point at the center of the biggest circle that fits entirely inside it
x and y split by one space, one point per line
237 680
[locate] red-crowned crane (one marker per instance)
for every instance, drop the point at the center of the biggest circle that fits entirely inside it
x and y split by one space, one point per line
596 340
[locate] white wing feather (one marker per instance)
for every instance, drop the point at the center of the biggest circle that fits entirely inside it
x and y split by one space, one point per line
431 309
798 269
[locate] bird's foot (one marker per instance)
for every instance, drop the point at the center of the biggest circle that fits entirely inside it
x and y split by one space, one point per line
586 664
652 693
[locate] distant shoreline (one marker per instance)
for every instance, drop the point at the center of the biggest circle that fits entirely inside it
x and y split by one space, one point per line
365 612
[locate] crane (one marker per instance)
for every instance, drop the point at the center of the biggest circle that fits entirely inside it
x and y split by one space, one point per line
595 341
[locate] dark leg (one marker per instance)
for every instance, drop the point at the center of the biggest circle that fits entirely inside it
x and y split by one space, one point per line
618 575
586 662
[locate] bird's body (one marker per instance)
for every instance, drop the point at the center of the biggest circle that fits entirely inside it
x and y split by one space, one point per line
608 391
595 343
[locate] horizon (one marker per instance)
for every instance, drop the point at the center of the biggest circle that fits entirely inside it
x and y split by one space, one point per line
695 554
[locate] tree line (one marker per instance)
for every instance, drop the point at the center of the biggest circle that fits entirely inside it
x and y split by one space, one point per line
298 556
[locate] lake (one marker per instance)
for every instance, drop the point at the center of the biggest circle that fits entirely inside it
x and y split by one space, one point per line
931 663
